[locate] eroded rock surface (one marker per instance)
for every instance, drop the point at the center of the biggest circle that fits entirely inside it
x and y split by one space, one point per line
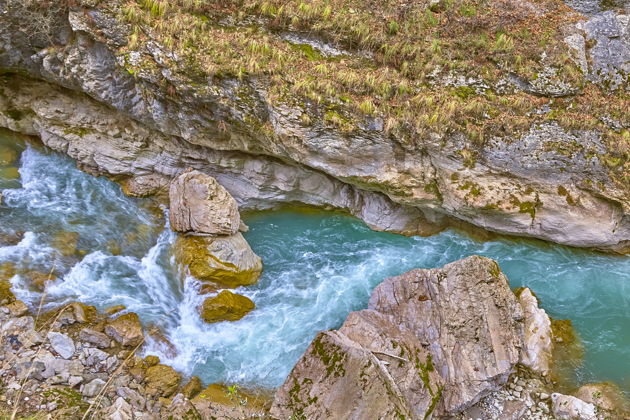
199 204
538 345
431 341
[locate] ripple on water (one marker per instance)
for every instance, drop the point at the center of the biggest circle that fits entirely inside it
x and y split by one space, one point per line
318 267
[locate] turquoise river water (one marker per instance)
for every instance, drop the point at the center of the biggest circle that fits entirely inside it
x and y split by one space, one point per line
318 267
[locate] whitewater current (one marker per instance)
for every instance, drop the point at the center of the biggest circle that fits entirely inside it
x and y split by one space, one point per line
107 249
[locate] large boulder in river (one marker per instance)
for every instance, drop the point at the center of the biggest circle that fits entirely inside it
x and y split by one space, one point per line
225 260
432 342
226 306
199 204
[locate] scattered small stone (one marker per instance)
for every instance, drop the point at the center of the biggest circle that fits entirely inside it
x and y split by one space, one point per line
92 388
74 381
62 344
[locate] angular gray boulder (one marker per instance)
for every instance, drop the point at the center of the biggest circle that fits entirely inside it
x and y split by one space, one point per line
432 342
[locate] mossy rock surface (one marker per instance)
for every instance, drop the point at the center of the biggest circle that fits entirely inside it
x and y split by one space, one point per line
226 261
226 306
162 380
9 173
234 396
8 156
7 270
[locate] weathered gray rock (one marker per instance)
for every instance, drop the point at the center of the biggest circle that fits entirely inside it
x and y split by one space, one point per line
135 399
97 338
62 344
538 344
199 204
120 410
93 357
431 341
92 388
182 408
610 56
567 407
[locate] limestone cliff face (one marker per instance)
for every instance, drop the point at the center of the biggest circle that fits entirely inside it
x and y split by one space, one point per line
134 112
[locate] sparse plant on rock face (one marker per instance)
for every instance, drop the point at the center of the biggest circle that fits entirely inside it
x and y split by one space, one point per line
42 21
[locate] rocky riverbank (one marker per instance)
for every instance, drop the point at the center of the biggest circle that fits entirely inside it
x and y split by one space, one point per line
76 363
448 343
526 134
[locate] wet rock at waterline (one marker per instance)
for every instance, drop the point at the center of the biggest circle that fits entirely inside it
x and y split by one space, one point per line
126 330
225 260
567 407
226 306
199 204
431 341
605 395
538 344
162 380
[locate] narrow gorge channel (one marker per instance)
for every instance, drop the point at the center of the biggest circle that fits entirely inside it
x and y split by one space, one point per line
107 249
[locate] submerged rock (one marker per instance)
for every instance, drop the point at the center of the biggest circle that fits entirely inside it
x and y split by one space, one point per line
7 270
8 156
199 204
431 342
9 173
226 306
66 242
227 260
126 330
38 280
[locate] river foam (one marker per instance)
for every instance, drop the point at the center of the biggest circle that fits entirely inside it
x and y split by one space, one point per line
317 268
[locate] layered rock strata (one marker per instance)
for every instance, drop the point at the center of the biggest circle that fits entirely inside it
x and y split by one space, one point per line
132 110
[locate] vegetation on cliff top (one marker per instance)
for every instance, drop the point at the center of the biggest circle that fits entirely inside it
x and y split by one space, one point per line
414 69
